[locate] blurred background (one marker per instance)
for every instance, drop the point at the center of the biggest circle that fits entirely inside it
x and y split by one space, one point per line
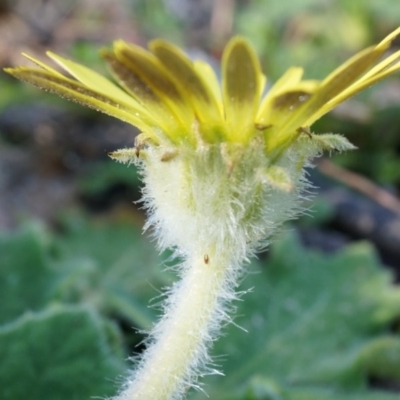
70 227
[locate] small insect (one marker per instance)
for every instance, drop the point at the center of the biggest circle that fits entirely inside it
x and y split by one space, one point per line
206 259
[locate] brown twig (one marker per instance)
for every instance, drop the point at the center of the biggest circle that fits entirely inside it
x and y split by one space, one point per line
360 183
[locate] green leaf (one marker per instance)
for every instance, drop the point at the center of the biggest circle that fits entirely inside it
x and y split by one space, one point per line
264 389
25 276
318 328
62 353
111 266
108 265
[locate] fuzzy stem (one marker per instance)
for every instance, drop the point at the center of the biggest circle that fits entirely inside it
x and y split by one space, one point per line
181 337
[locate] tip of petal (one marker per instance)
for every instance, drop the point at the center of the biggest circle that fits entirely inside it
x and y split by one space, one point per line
386 42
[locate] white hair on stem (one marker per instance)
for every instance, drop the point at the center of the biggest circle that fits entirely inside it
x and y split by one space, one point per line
215 215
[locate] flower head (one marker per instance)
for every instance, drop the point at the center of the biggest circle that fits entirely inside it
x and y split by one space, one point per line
174 100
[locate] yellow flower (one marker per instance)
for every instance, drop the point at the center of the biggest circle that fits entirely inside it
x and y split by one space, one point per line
223 170
174 100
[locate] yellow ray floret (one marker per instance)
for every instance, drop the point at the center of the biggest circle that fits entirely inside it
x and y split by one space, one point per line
328 94
78 92
241 86
185 76
173 99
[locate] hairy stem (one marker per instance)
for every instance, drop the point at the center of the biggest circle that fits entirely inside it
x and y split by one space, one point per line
180 339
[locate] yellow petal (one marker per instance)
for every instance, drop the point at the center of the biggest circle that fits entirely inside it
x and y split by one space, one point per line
183 73
290 78
284 102
92 79
131 81
352 90
338 81
389 38
208 75
241 80
146 68
77 92
384 64
146 96
42 65
357 87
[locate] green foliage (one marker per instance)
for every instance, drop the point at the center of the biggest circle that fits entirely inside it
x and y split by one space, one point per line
62 353
318 328
105 175
13 92
110 266
59 294
25 276
156 20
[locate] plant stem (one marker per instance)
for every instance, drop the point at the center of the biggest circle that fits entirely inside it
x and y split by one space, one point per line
181 338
